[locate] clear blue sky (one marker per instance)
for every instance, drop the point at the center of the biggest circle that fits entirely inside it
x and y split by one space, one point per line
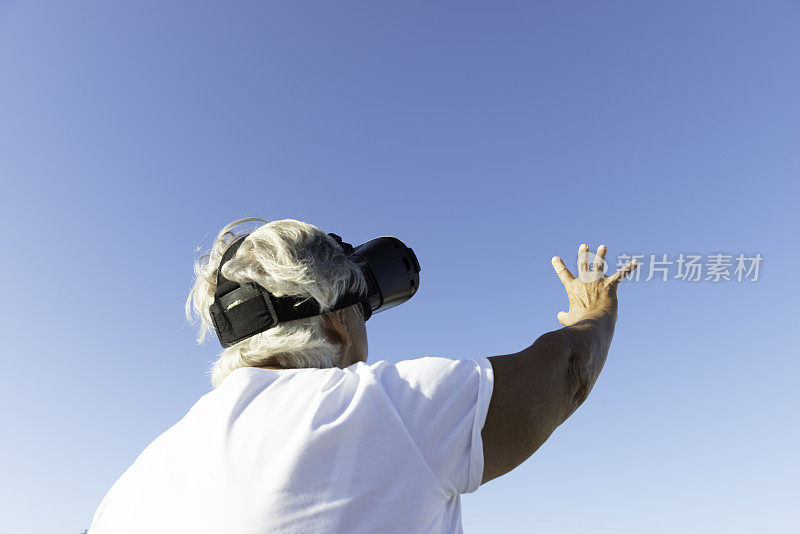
490 137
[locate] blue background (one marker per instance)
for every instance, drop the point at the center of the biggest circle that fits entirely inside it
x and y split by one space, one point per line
488 136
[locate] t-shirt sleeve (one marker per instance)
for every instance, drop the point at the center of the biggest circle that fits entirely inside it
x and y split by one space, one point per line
443 404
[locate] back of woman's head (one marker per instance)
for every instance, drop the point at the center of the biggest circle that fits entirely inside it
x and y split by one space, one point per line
287 258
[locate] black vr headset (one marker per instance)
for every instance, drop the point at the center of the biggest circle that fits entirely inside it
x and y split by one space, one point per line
240 311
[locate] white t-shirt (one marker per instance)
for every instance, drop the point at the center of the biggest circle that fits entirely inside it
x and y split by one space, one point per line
370 448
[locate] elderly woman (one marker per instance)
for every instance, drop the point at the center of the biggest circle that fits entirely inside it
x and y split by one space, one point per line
300 434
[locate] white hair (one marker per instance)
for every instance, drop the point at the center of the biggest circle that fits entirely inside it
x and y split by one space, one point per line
287 258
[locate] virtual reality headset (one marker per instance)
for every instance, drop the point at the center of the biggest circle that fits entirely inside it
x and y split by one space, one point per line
240 311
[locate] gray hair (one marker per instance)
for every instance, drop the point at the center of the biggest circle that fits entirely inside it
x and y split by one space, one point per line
287 258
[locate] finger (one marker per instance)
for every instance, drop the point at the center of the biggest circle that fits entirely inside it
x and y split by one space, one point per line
561 270
583 259
562 318
600 259
625 271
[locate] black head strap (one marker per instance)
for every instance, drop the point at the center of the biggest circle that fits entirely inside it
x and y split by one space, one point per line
347 247
240 311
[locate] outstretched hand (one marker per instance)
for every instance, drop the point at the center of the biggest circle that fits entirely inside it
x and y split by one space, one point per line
592 292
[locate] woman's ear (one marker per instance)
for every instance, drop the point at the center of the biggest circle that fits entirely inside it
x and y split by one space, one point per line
335 328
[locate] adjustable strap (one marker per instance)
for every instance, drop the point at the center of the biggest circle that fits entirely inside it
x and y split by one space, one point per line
240 311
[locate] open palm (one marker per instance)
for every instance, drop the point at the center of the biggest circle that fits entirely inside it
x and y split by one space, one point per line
592 291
